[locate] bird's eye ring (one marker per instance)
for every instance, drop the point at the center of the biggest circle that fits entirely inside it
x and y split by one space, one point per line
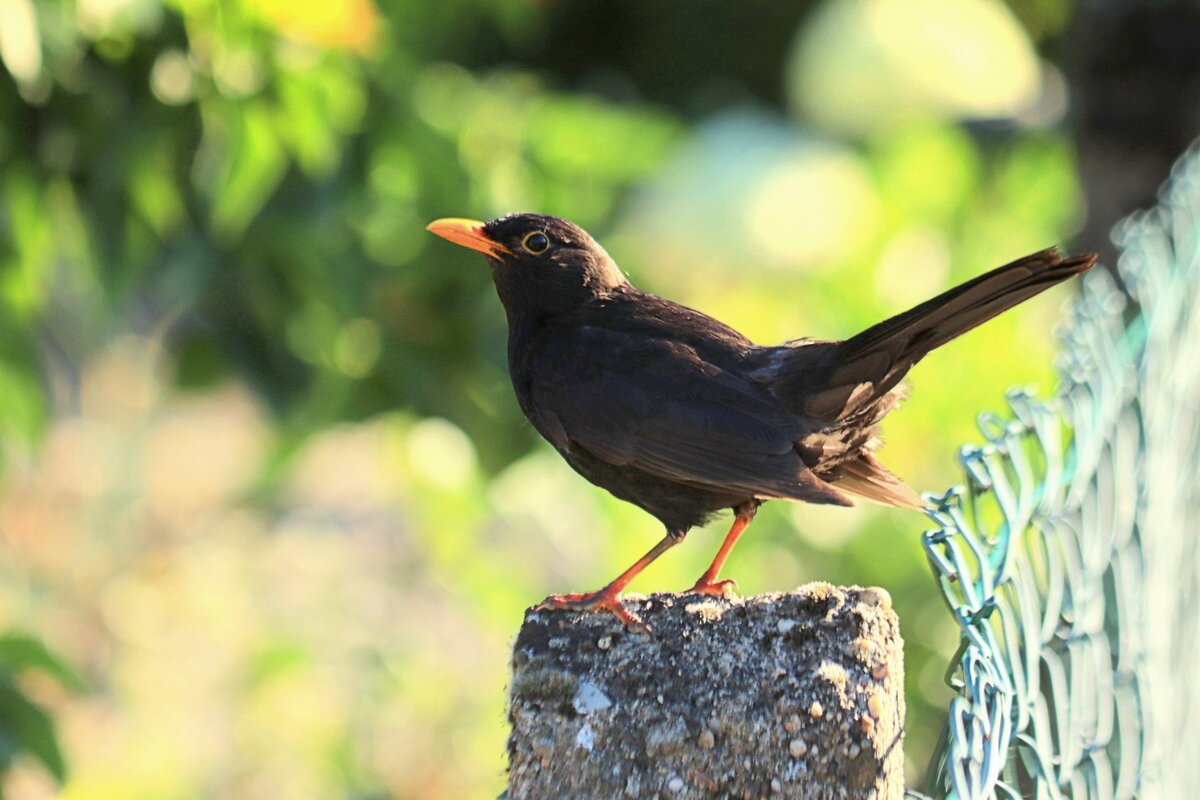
536 243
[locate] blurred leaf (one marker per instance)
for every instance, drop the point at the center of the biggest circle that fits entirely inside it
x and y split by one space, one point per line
31 729
588 137
350 24
22 401
19 652
276 659
154 193
240 163
318 106
24 222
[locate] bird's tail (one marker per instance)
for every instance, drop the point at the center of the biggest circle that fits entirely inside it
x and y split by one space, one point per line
899 342
865 478
848 387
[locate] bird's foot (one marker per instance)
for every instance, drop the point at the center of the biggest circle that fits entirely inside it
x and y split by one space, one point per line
712 588
602 600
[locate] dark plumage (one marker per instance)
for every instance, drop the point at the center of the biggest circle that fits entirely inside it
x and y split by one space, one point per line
683 416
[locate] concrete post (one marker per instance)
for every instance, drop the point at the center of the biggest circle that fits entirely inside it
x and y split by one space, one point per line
796 695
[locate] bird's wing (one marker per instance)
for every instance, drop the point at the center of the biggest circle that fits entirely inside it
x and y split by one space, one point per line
657 405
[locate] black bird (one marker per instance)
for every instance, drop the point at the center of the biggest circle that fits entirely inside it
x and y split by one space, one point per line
680 414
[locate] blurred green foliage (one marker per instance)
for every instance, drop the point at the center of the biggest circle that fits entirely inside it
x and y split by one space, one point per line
265 478
203 169
25 727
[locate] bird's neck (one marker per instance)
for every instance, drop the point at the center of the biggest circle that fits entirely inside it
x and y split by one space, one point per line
530 300
524 326
528 321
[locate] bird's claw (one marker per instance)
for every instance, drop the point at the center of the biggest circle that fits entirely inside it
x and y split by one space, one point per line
601 600
725 588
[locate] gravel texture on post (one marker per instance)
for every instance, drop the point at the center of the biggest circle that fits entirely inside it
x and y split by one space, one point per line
796 695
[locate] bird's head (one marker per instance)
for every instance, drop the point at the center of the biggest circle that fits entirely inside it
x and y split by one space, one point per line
541 265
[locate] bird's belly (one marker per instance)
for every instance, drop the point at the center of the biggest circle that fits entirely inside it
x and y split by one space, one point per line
679 506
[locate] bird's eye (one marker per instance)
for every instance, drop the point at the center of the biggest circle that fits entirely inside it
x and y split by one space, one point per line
536 243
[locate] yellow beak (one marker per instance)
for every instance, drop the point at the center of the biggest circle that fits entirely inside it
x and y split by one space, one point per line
468 233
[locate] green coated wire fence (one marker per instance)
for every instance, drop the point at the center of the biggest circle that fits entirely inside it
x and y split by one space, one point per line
1070 557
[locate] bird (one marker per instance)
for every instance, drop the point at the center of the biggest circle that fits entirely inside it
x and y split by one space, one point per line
680 414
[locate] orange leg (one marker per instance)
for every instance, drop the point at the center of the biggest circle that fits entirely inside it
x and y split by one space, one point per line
609 598
708 583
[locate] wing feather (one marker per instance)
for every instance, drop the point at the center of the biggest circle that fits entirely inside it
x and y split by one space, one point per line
659 406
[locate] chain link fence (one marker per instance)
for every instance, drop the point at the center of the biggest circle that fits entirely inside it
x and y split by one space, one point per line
1070 556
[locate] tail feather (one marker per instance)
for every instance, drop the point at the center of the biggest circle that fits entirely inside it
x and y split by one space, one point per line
909 336
866 478
846 388
868 366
